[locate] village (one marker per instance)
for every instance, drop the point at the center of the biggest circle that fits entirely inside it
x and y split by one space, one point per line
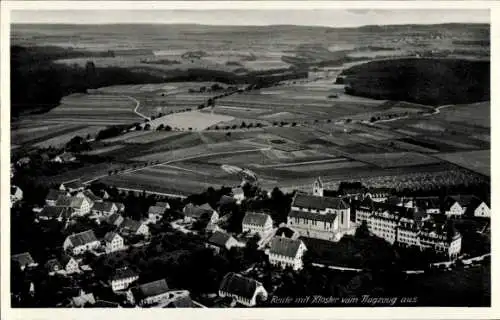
257 235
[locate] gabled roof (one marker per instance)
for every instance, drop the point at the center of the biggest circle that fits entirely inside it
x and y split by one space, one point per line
131 225
156 210
150 289
54 212
82 238
103 206
285 232
219 238
255 218
64 201
108 237
77 202
182 302
81 300
162 204
239 285
193 211
113 218
285 247
472 206
89 194
329 217
124 273
463 200
65 259
23 259
53 194
237 190
320 203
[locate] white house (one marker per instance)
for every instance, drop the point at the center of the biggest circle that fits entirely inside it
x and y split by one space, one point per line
133 227
54 195
69 264
54 213
103 209
477 208
455 206
123 278
149 293
238 194
82 300
193 212
155 213
64 157
81 242
222 241
286 252
243 290
254 222
24 260
80 206
113 242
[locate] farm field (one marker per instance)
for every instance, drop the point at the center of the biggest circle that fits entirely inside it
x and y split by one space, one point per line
477 114
153 136
62 139
396 159
35 134
192 120
478 161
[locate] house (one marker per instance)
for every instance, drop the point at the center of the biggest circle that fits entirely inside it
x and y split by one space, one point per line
379 194
259 223
149 293
286 252
80 206
113 242
430 205
163 204
133 227
120 206
319 190
122 279
81 242
318 217
238 194
243 290
193 212
181 300
53 195
82 300
16 194
89 195
155 213
24 260
69 264
54 213
53 266
103 209
115 219
287 232
455 206
477 208
64 157
221 241
72 186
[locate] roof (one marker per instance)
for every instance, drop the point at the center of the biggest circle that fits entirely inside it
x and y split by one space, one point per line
89 194
472 206
76 202
237 190
65 259
151 289
182 302
103 206
131 225
81 300
193 211
162 204
66 156
329 217
463 200
224 200
239 285
285 247
53 195
23 259
219 238
255 218
156 210
64 201
82 238
105 304
55 212
108 237
285 231
52 263
123 273
320 203
114 217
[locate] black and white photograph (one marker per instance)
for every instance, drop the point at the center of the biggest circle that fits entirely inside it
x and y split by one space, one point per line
248 157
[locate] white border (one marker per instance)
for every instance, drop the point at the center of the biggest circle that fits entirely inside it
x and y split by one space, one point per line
275 313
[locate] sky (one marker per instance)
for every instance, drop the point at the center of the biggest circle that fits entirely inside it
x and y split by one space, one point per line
316 17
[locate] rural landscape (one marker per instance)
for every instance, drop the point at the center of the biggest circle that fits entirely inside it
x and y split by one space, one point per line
248 119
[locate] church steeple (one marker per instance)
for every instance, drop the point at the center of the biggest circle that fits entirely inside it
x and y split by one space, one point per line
318 187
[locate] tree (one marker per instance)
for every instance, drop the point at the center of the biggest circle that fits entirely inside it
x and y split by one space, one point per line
160 127
168 128
243 125
147 126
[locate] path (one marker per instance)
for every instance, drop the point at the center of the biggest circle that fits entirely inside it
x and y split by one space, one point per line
137 105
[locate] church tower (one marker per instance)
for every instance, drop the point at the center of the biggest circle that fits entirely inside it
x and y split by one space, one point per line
318 187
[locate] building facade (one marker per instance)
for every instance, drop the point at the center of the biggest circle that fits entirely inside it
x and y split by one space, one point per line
259 223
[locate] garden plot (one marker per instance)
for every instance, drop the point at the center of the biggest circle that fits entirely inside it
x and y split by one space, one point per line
193 120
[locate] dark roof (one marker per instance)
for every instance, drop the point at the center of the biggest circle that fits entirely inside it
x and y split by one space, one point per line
219 238
239 285
108 237
131 225
321 203
54 212
472 206
65 259
23 259
182 302
103 206
105 304
123 273
89 194
380 190
53 195
284 246
82 238
150 289
224 200
255 218
193 211
329 217
156 210
113 218
64 201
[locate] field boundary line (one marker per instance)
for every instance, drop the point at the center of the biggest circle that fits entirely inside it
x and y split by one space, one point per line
137 105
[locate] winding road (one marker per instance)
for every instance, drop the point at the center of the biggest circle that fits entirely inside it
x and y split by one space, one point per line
137 105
